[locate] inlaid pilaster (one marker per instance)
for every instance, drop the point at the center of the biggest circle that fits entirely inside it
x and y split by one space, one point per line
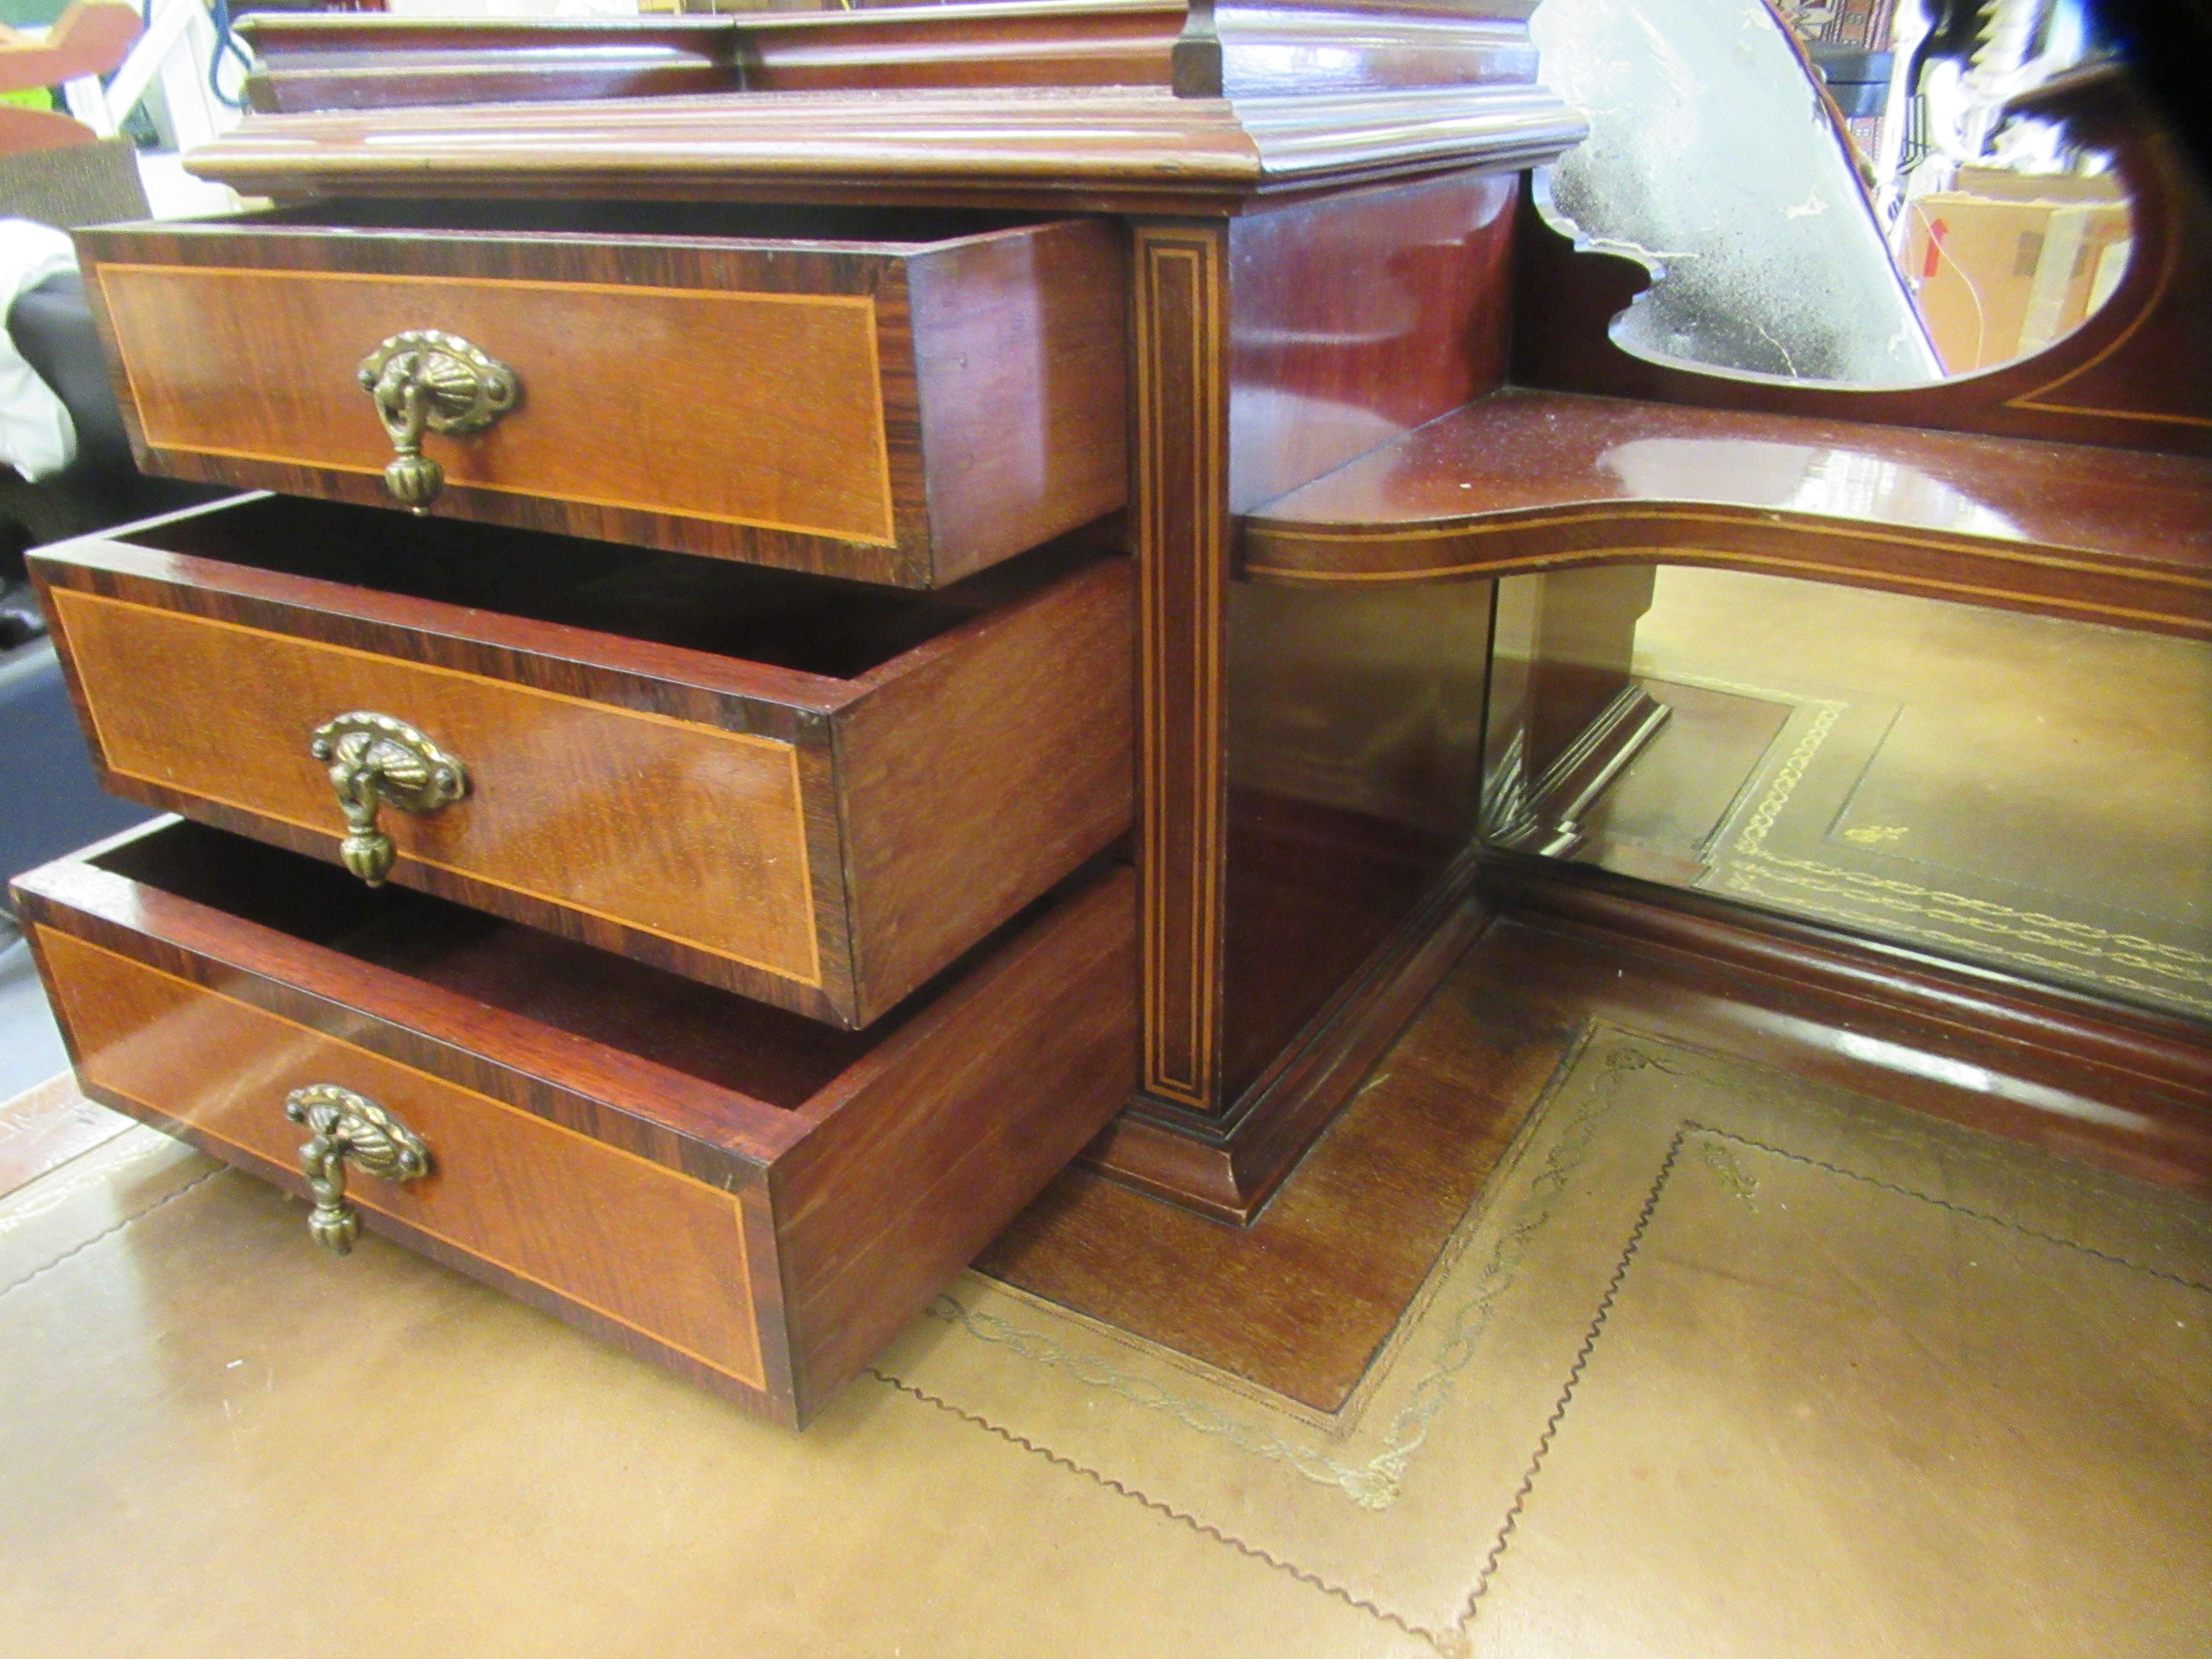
1183 533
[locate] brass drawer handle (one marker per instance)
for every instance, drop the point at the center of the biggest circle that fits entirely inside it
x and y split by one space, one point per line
424 381
349 1127
377 760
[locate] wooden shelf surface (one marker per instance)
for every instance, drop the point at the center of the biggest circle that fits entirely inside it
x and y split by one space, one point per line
1521 481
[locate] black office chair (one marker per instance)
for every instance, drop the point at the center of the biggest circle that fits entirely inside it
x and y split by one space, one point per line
51 804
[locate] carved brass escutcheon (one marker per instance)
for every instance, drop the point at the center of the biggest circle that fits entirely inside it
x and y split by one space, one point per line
376 761
425 380
349 1128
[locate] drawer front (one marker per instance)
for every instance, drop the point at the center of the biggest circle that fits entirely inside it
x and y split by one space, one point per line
650 1249
754 1199
686 832
902 412
758 410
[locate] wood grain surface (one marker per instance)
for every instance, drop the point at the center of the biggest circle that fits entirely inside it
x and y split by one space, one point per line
685 831
1355 723
983 767
1525 482
743 1195
825 842
1020 359
633 1242
922 1153
1355 319
2123 1086
1267 351
299 66
1111 148
1180 432
741 386
705 1085
1229 1170
630 400
1243 51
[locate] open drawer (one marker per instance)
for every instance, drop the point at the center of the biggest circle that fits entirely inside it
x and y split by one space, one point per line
812 791
755 1199
898 396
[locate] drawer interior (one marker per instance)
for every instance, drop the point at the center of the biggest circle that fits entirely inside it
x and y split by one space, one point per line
884 229
780 1059
788 619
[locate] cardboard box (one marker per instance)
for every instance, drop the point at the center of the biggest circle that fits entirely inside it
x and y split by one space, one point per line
1999 278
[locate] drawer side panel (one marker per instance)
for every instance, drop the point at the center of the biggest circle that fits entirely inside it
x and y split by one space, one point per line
760 410
1020 354
982 775
684 831
940 1140
634 1244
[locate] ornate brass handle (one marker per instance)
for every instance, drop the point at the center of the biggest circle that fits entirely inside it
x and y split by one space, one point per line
425 380
347 1126
377 760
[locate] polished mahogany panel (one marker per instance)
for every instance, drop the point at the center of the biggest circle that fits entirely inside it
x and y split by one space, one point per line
1522 482
539 1202
823 829
753 1200
2117 1084
1575 645
1202 50
1180 436
1354 319
1112 149
1355 745
1234 49
302 62
1311 334
258 366
352 62
1118 44
877 397
556 783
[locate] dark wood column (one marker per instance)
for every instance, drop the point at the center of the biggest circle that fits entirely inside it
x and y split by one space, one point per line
1270 346
1180 487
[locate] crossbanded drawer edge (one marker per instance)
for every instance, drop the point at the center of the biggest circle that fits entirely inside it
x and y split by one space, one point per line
71 978
124 286
124 761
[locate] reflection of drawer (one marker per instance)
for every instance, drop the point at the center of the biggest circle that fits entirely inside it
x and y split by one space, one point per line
814 793
900 397
759 1201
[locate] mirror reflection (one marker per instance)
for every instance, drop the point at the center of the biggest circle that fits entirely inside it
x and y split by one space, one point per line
1833 191
2022 791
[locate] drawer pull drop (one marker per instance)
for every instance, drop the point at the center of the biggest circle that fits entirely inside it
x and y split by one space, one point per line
347 1127
425 380
376 761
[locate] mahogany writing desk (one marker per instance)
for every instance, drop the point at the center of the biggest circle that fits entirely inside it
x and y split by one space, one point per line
774 397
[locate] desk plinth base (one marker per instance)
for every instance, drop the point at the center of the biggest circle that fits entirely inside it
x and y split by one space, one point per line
1228 1167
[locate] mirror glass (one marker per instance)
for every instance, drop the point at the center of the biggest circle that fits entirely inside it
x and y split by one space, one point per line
1834 193
2029 793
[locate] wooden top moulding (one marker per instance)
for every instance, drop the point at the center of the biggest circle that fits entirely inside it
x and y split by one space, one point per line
1125 105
